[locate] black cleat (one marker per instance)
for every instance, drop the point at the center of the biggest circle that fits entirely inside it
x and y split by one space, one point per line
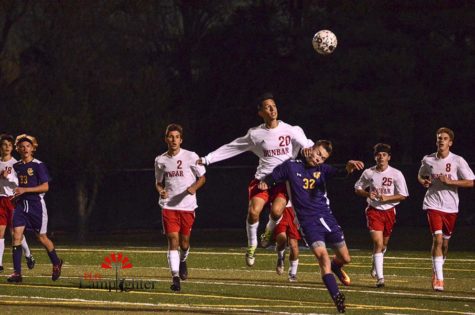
30 262
183 270
176 284
57 271
14 278
339 300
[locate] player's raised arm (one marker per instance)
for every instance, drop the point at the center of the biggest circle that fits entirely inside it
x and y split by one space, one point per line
235 147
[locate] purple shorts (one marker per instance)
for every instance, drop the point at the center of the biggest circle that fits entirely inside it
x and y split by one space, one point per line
32 215
318 231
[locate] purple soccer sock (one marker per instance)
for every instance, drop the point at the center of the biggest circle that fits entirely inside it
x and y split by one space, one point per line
331 284
53 257
16 253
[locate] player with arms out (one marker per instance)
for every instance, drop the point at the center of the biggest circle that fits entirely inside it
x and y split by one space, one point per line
319 227
30 211
177 178
442 173
273 142
287 233
8 183
383 187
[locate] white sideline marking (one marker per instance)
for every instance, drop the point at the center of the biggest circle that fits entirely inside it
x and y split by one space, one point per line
240 253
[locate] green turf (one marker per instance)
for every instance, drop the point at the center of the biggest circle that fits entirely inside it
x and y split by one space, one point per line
221 283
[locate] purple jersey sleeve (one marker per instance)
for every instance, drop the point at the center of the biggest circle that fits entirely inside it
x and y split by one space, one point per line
43 175
279 174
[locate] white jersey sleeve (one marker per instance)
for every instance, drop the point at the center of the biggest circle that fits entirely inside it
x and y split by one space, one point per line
8 184
235 147
177 173
440 196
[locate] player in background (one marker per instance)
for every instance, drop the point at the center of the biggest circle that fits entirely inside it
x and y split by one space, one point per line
8 183
383 187
177 178
319 227
286 233
442 173
30 211
273 142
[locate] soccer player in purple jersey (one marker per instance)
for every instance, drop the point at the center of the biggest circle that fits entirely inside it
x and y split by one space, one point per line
318 225
30 211
8 183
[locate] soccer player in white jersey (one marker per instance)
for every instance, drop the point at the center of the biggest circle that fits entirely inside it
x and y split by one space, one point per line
8 183
177 178
383 187
273 142
442 173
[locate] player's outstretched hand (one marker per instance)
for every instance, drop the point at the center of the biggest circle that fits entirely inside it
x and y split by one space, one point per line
164 194
352 165
306 152
200 161
262 185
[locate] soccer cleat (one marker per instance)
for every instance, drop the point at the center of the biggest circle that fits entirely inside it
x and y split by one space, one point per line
183 270
341 274
14 278
176 284
292 277
373 270
339 300
250 256
1 269
279 267
30 262
266 238
438 285
57 270
380 283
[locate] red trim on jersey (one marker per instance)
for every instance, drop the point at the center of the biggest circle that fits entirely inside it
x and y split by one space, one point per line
280 190
174 221
381 220
288 225
6 210
441 221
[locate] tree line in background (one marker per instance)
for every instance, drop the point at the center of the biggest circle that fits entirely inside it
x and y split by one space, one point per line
98 81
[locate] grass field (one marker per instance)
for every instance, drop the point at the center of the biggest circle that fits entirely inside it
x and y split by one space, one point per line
220 282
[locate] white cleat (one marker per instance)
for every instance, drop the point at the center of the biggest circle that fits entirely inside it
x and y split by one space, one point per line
250 256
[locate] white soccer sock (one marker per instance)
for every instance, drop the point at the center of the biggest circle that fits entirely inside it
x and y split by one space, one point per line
384 250
438 264
174 262
251 230
2 249
280 253
378 265
294 264
184 254
26 249
271 224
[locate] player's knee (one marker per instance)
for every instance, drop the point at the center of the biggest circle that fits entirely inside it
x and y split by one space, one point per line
253 213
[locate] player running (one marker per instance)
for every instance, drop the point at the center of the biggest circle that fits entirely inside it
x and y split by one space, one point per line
273 142
30 211
383 187
177 178
8 183
287 233
442 173
318 225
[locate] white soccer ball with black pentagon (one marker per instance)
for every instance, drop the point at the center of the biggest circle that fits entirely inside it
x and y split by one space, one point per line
324 42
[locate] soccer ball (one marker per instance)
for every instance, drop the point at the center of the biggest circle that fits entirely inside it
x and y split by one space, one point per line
324 42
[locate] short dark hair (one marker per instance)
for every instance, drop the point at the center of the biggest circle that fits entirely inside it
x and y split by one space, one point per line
326 144
381 147
446 130
174 127
7 137
262 98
